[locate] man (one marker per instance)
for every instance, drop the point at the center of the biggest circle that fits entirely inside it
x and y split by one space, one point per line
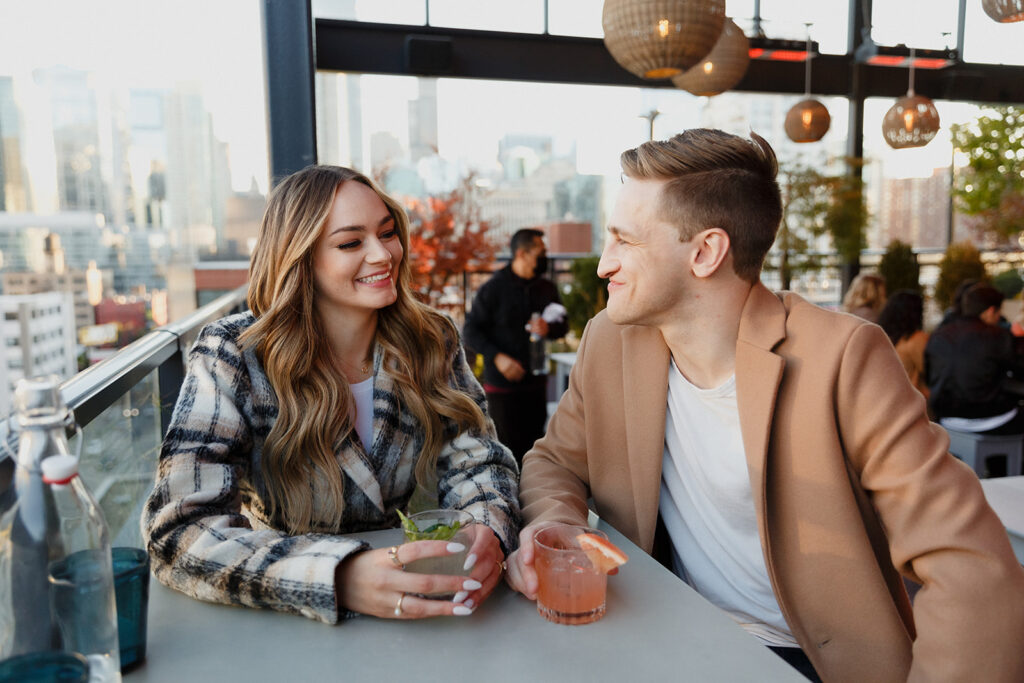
499 327
968 363
773 453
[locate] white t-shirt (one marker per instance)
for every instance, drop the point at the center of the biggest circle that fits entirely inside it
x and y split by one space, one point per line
708 509
362 392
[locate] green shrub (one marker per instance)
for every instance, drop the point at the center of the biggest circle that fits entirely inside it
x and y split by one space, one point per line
962 261
587 294
1009 283
899 268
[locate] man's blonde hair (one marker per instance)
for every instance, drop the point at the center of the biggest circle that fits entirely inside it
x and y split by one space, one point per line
716 180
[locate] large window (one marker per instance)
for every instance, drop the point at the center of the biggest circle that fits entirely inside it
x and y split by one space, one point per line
539 154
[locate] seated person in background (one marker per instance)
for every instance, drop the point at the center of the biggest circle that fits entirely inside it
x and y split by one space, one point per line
902 320
317 413
968 362
953 312
866 297
771 452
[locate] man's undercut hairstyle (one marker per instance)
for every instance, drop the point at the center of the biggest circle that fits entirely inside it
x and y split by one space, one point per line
523 239
716 180
979 298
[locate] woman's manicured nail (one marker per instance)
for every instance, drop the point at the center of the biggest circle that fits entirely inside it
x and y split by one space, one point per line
470 561
472 584
461 611
469 603
460 596
455 547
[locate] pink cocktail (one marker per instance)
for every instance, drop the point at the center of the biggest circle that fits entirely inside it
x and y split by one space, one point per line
572 590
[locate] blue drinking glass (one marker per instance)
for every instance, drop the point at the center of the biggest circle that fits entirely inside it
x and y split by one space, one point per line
53 666
131 590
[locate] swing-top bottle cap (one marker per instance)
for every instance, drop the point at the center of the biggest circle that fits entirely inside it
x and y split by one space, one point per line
37 401
59 469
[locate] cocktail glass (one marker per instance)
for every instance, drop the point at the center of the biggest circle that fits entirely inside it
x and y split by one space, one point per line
571 590
433 525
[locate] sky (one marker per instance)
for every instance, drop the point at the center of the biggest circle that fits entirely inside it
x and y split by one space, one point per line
217 44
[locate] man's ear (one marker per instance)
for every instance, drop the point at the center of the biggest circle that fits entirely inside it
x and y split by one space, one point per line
711 249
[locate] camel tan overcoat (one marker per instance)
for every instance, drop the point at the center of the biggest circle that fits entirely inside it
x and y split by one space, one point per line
852 484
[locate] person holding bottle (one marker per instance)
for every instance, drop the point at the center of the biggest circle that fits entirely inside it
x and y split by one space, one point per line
514 311
318 413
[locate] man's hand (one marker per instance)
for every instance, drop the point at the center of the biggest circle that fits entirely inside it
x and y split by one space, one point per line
509 367
521 576
539 327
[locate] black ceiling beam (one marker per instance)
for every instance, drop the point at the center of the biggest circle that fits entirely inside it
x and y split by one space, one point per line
362 47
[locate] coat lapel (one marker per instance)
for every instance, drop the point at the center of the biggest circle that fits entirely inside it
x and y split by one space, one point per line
645 391
758 374
354 461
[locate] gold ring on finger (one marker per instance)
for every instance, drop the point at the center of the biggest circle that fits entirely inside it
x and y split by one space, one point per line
398 606
393 554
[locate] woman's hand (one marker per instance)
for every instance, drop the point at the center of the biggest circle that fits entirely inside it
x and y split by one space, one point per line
374 582
487 563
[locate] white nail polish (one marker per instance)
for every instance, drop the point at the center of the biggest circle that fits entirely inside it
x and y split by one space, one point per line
469 603
470 561
472 584
460 596
455 547
461 611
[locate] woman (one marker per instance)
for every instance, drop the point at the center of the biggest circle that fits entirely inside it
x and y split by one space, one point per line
319 413
865 297
902 319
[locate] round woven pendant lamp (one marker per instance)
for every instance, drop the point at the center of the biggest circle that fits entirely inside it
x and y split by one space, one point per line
724 66
807 121
912 122
1004 11
656 39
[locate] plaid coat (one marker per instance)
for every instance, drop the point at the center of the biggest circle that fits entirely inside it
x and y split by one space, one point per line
206 524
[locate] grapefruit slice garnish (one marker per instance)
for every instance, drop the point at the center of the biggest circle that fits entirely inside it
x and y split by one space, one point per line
601 552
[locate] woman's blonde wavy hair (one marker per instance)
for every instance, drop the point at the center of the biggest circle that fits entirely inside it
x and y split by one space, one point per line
299 467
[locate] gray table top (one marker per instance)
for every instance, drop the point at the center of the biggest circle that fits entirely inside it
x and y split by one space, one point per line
656 627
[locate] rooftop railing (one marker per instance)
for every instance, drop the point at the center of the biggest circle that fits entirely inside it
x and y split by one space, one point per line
123 406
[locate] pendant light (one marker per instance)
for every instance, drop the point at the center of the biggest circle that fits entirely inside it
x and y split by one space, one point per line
808 120
724 66
1004 11
913 121
656 39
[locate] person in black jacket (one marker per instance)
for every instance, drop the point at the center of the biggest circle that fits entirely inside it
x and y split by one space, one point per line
499 326
968 362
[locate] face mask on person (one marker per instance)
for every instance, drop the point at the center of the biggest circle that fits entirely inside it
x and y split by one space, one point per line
541 266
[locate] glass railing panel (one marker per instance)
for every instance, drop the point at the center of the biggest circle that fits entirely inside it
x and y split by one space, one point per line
120 448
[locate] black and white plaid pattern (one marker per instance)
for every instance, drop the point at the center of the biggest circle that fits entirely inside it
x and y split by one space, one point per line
206 525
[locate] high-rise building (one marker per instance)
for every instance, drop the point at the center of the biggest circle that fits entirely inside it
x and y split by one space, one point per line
339 120
83 238
242 216
14 190
915 210
147 128
74 115
72 282
423 120
38 332
197 187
